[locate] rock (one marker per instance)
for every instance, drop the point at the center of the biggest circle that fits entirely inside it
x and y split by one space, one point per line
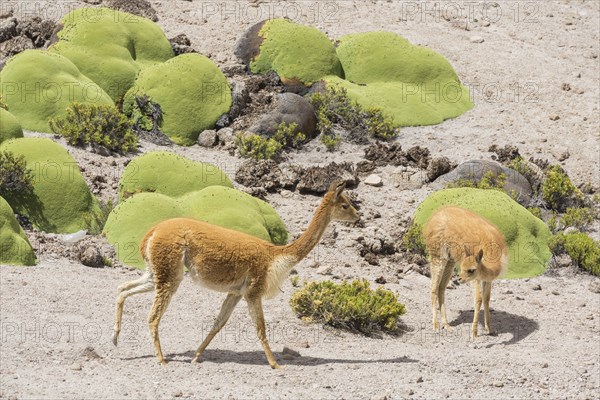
288 108
290 351
476 39
240 97
137 7
437 167
382 154
498 384
225 136
14 46
178 393
519 298
381 280
554 117
371 258
247 47
8 29
420 379
594 286
561 153
260 173
316 180
373 180
545 365
91 257
556 292
101 150
563 260
325 270
181 44
570 229
474 170
506 153
536 287
208 138
75 367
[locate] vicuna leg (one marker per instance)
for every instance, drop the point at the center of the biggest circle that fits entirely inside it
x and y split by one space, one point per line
226 309
477 298
142 285
442 293
256 312
164 292
487 291
436 269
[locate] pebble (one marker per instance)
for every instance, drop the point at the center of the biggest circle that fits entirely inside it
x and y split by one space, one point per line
594 287
76 367
325 270
498 384
420 379
178 393
555 292
477 39
373 180
554 118
286 194
536 287
545 365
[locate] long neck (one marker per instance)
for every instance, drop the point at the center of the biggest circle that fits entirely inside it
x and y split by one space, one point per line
300 248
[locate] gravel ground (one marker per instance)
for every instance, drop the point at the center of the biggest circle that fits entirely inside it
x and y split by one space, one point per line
57 317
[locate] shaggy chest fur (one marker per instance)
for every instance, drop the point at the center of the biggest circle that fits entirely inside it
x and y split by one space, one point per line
278 271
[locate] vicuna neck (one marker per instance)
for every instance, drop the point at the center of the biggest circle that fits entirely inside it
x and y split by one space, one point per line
311 237
488 273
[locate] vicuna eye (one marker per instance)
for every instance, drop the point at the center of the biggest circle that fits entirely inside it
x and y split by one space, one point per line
471 271
345 206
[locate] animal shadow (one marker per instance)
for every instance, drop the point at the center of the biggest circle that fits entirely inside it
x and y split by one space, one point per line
502 322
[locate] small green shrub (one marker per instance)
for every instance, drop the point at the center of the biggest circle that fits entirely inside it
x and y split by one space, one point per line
294 280
522 166
107 261
413 240
97 124
330 141
489 180
582 249
557 189
94 221
259 147
145 115
15 177
349 305
577 217
334 107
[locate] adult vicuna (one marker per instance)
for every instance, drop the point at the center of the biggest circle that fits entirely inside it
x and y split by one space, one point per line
226 261
457 236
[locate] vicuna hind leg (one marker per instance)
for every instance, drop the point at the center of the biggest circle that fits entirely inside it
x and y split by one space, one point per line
487 291
256 312
142 285
442 293
436 268
164 293
226 309
477 298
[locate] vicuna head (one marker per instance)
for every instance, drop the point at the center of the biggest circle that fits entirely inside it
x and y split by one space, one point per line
342 207
471 265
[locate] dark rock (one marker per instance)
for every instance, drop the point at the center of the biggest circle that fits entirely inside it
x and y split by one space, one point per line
382 154
8 29
181 44
247 47
141 8
15 46
371 259
474 170
381 280
288 108
316 180
260 173
225 135
365 167
223 121
506 153
437 167
91 257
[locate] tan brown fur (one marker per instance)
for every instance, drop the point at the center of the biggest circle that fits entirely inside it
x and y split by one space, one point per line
453 236
224 260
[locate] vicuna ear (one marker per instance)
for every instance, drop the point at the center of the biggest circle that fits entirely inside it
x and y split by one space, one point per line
339 188
479 256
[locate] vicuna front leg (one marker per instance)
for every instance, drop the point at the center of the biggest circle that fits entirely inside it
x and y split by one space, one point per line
256 312
487 291
477 299
226 309
142 285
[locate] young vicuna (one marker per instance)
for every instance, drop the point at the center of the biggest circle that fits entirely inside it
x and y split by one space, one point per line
457 236
226 261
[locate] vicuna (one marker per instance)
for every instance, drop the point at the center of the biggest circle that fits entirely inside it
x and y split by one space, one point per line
454 235
224 260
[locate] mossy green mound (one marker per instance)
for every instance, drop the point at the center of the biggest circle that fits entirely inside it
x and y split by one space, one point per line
37 85
60 196
191 91
526 236
110 47
9 126
219 205
412 84
296 52
169 174
15 249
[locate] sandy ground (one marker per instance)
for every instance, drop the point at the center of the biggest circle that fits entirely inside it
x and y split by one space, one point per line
56 318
